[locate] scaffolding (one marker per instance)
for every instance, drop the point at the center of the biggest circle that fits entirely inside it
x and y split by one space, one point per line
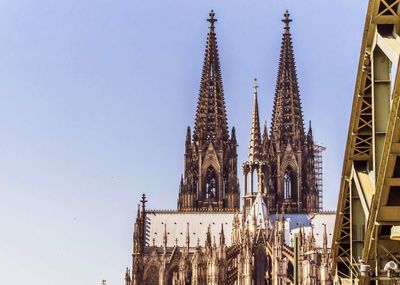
318 149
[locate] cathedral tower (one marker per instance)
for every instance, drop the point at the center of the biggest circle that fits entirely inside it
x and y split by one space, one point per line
255 169
291 151
210 175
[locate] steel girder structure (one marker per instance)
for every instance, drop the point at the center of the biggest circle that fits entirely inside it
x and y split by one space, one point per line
368 211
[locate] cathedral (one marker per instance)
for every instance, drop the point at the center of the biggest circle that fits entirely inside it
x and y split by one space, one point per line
280 236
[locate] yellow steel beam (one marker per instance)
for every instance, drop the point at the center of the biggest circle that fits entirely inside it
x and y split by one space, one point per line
364 188
390 46
373 145
378 211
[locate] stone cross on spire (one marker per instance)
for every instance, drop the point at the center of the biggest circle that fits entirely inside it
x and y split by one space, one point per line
143 201
212 20
286 19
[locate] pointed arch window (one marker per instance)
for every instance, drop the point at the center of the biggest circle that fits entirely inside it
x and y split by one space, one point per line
225 186
211 183
287 185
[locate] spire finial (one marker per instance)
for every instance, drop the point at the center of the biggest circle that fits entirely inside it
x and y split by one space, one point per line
212 20
309 134
222 235
286 19
143 202
255 86
127 276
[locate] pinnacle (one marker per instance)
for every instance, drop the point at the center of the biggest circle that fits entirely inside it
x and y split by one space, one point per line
265 132
255 133
309 128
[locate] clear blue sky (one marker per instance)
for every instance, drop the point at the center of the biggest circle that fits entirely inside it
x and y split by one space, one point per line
95 98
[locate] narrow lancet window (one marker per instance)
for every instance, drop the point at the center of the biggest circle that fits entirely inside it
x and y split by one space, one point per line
287 185
211 183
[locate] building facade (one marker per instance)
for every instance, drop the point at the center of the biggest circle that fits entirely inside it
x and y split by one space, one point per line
280 236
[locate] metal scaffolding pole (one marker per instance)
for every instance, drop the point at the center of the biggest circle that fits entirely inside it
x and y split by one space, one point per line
318 149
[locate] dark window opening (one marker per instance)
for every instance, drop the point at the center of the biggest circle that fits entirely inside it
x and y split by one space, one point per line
288 186
211 183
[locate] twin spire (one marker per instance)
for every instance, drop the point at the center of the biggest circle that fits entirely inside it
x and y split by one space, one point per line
211 142
211 123
287 116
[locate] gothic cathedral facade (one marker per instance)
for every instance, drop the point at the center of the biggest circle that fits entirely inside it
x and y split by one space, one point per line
280 236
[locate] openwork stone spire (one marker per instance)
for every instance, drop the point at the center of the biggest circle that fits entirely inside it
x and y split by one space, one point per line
211 121
290 178
255 133
287 118
210 180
